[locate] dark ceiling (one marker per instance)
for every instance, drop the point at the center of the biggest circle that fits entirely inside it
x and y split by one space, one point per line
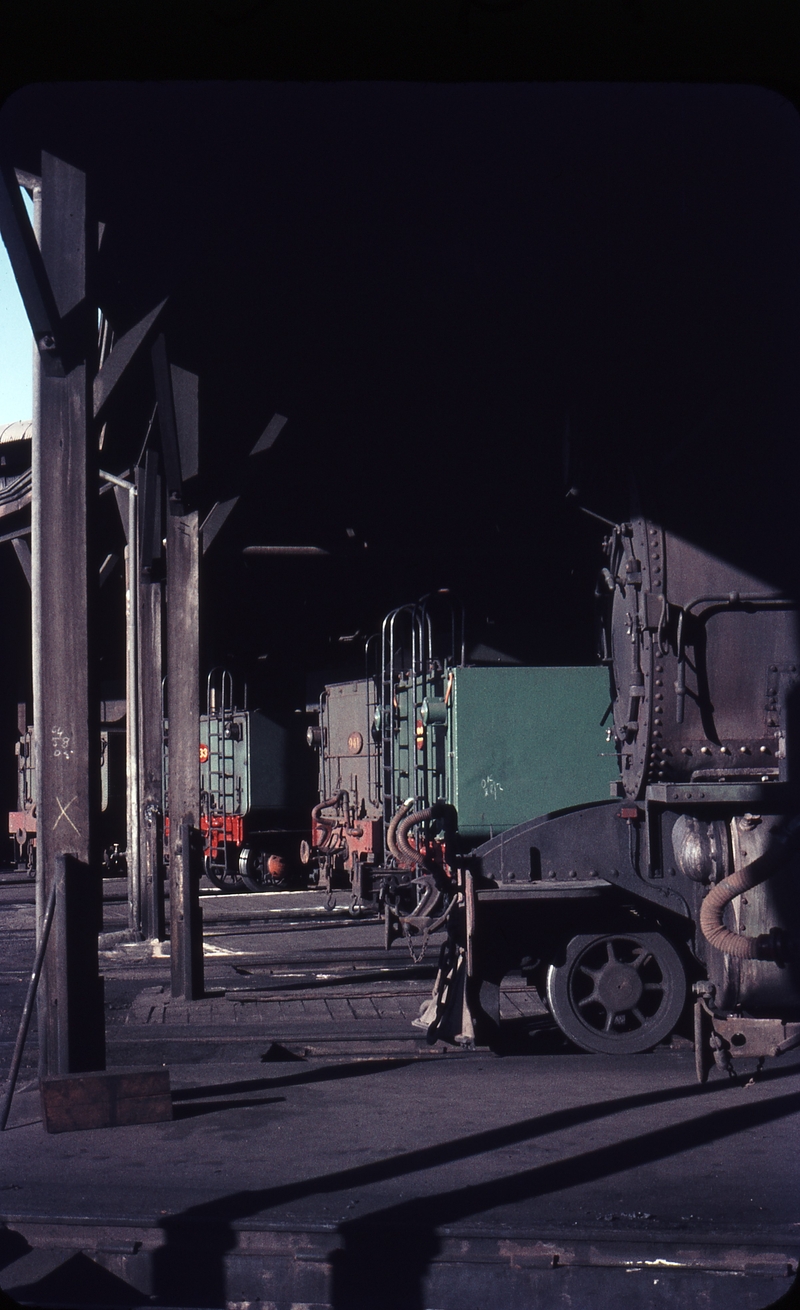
466 299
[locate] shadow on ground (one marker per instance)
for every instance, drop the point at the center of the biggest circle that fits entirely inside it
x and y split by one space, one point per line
384 1258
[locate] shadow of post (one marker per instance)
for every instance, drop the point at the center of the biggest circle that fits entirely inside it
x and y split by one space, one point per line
189 1269
384 1260
380 1266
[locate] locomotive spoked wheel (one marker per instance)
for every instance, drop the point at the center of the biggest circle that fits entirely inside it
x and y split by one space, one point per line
262 872
223 876
618 993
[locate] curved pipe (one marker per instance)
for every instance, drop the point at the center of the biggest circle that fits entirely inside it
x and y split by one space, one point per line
411 856
404 826
327 824
391 832
742 880
316 813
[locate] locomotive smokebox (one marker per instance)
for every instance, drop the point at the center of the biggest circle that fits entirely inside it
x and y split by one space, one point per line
704 658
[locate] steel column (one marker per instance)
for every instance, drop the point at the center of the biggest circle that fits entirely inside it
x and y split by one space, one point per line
66 704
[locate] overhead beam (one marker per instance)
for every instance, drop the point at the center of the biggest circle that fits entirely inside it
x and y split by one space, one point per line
270 434
23 553
298 551
167 424
30 272
12 536
220 513
185 401
216 519
124 351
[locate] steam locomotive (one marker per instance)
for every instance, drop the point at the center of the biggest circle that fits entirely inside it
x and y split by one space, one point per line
427 729
245 789
627 835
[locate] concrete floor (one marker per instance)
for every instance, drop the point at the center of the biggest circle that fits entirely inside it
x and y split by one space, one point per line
524 1141
414 1181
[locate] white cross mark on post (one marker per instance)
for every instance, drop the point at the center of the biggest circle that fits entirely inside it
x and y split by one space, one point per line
64 815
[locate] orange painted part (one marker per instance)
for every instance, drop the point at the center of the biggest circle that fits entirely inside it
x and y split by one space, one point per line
221 828
369 843
21 821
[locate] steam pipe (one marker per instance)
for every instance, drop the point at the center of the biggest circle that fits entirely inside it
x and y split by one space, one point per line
412 856
392 830
316 814
759 870
407 852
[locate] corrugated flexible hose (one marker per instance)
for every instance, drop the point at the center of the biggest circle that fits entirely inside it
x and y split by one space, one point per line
391 833
782 845
431 902
407 852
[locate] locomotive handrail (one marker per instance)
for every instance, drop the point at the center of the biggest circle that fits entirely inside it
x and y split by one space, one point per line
388 678
729 601
423 672
445 591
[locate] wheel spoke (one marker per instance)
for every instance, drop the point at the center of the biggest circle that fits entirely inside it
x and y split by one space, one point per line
589 1000
641 959
610 1017
637 1014
594 974
612 959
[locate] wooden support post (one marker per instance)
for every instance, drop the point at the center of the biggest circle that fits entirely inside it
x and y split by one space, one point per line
80 1021
183 714
66 703
176 394
150 663
126 497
